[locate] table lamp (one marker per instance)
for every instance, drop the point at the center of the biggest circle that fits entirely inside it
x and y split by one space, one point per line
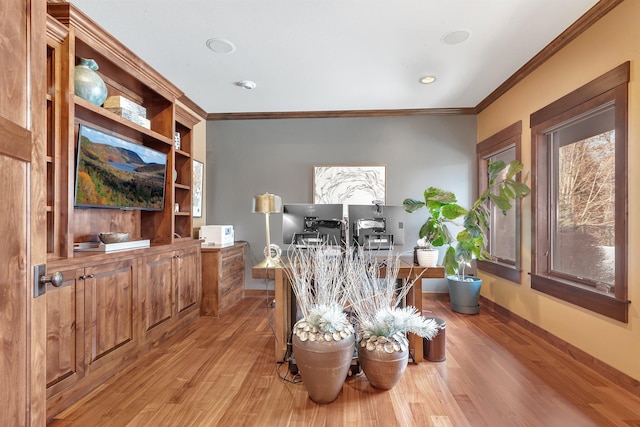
267 204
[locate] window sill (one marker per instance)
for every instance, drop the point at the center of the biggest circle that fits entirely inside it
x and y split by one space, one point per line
597 301
504 271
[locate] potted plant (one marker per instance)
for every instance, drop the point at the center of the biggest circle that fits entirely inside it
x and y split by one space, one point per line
470 242
383 348
425 254
324 338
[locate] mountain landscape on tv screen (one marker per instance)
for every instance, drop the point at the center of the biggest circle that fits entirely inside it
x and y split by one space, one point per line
112 176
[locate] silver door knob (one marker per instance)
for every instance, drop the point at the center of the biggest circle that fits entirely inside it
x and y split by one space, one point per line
55 279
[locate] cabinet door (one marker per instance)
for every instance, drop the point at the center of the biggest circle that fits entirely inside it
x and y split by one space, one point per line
187 279
156 290
65 321
108 308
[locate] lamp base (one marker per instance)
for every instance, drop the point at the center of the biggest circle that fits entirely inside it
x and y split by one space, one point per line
268 262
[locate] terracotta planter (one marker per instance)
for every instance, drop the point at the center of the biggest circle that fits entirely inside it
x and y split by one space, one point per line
323 366
383 369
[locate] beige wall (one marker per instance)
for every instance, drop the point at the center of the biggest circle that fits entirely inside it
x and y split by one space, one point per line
199 152
612 41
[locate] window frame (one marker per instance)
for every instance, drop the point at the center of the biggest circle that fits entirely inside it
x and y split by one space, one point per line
510 137
611 86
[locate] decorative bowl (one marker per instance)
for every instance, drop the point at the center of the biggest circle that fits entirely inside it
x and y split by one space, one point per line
114 237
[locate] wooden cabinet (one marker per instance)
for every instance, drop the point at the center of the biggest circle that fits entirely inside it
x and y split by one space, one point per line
156 300
90 316
89 323
65 328
125 75
223 277
187 280
112 307
109 309
173 289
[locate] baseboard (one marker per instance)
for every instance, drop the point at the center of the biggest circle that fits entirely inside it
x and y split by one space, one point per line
620 378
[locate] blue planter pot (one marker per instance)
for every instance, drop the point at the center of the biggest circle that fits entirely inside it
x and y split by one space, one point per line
464 294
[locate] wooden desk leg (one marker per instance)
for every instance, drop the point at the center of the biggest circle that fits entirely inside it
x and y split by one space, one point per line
280 341
282 325
414 298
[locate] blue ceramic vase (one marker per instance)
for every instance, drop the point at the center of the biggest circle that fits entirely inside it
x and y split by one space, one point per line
88 84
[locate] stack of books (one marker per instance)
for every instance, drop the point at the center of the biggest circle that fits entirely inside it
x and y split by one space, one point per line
128 109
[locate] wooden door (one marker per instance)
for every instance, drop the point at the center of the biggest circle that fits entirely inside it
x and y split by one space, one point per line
22 127
109 303
156 290
65 328
186 272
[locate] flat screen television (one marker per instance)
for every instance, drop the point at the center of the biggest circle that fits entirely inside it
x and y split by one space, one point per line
112 172
310 224
376 227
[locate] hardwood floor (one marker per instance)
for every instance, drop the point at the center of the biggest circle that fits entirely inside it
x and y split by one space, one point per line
221 372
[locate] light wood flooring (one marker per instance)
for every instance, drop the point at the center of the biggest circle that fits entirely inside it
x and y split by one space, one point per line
222 372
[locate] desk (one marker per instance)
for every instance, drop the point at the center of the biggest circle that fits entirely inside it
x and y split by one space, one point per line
285 298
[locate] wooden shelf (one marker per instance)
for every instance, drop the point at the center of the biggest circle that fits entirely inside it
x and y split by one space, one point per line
94 114
74 35
159 286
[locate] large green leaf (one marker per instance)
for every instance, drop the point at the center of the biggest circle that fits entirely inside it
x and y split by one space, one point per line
515 167
501 202
439 195
447 234
494 170
471 225
453 211
450 262
411 205
506 192
521 189
434 207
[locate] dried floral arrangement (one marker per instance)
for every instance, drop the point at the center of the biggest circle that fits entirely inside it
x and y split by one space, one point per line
318 282
375 300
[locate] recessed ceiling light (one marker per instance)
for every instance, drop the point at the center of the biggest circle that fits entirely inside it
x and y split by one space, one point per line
247 84
456 37
222 46
427 80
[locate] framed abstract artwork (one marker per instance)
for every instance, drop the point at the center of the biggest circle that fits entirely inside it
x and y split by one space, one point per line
349 184
198 176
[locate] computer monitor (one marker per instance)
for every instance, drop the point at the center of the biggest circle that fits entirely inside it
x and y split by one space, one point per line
376 226
309 224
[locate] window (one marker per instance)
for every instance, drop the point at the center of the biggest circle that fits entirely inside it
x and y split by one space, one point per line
579 196
503 235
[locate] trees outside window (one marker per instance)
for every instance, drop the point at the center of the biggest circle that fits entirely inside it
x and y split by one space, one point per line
584 188
504 231
579 196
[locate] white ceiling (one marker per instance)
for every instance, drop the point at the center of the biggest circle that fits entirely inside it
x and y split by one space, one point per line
333 55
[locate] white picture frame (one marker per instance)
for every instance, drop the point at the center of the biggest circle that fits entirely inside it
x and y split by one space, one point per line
196 197
363 185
